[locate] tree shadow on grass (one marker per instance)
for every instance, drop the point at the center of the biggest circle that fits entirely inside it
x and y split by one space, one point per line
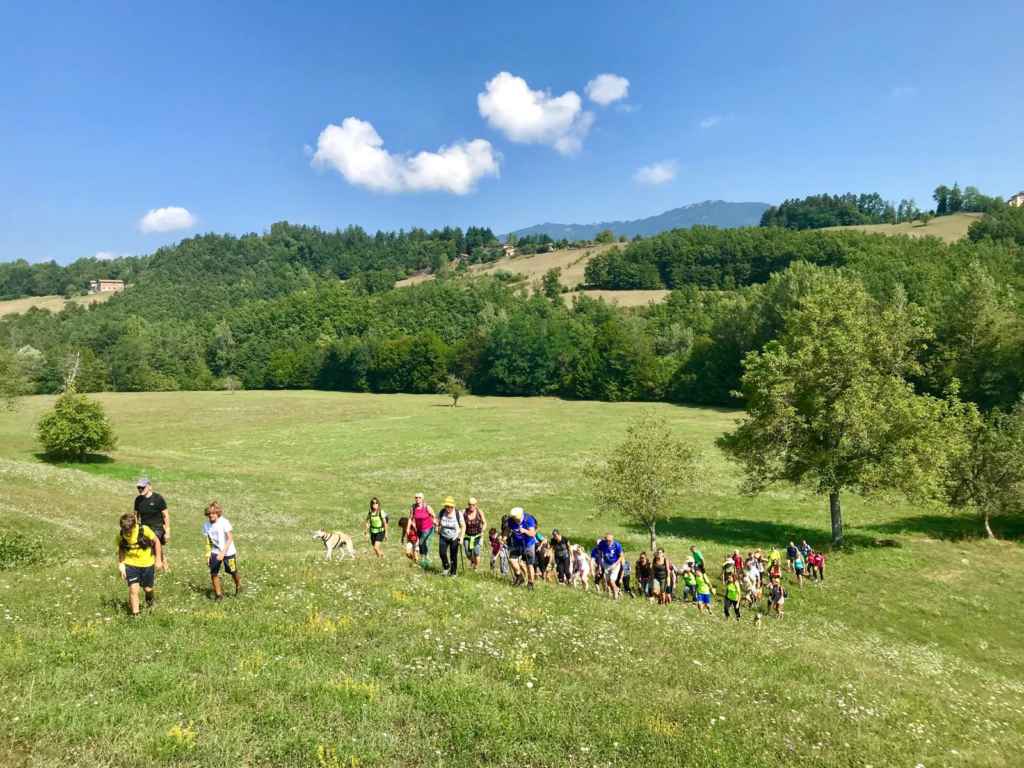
953 527
735 533
64 462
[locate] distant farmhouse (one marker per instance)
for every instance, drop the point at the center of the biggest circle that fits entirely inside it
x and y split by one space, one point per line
1017 201
106 286
509 250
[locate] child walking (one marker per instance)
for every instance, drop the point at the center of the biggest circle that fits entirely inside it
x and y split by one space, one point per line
138 552
221 541
732 597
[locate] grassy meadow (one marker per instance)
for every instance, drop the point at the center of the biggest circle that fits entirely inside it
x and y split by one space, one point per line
907 655
948 228
51 303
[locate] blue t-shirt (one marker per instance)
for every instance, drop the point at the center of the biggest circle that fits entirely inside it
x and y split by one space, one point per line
610 553
523 539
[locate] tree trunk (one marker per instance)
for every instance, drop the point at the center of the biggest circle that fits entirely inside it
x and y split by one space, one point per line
654 538
988 528
837 518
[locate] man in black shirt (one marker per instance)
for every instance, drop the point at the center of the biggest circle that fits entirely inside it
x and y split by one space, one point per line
151 509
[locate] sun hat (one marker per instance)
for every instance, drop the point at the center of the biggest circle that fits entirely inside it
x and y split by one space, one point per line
449 501
516 513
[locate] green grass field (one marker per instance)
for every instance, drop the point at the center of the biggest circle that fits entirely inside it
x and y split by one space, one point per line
907 655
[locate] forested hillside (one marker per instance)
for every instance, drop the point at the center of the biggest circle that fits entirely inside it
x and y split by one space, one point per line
270 312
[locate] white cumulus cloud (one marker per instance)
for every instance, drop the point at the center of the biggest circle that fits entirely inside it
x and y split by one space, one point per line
526 116
356 151
606 88
166 220
710 121
656 173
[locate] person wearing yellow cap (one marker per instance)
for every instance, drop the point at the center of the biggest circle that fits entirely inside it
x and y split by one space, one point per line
474 524
453 529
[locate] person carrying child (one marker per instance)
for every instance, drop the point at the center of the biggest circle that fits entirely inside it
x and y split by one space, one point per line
138 556
221 541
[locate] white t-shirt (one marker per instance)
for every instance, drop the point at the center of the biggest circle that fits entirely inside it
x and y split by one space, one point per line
217 533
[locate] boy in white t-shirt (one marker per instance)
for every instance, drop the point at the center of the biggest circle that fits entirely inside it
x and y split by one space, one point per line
220 543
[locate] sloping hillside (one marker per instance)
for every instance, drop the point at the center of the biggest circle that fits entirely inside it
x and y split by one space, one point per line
949 228
52 303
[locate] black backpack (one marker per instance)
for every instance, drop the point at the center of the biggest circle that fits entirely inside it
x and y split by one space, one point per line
141 542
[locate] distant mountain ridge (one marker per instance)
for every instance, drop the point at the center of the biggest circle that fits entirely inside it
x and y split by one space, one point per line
714 213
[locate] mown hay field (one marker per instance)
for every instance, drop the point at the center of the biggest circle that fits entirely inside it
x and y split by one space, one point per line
906 655
52 303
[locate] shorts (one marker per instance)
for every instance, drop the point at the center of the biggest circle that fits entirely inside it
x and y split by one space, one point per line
376 536
704 598
471 545
799 569
229 562
515 552
161 535
530 554
611 573
144 577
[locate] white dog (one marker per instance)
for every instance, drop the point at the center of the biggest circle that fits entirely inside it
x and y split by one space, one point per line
334 540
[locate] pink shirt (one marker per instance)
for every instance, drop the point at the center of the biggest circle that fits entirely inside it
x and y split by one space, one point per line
421 516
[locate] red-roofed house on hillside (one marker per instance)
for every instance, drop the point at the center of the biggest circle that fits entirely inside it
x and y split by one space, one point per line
106 286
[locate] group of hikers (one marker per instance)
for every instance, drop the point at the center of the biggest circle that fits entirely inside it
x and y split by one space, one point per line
142 546
517 549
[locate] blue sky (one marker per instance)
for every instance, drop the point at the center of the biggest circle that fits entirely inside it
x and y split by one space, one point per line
109 111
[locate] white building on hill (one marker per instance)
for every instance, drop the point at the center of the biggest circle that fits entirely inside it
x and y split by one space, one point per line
1017 201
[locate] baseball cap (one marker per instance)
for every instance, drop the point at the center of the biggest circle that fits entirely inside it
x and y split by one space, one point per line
142 482
516 513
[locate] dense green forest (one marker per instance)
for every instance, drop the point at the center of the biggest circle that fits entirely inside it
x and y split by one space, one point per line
270 312
338 254
819 211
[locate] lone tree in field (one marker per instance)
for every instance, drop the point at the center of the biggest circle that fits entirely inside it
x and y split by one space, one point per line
12 378
829 407
77 426
987 476
647 474
455 388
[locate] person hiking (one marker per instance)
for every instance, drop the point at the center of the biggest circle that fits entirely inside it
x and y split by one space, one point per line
151 510
777 596
610 555
563 556
452 530
698 558
138 556
791 553
376 526
642 569
704 592
689 583
732 596
524 545
661 575
475 523
221 540
422 521
798 569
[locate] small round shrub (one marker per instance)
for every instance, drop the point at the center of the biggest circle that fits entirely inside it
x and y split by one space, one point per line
75 428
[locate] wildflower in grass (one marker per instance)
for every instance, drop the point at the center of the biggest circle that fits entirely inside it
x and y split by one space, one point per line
182 737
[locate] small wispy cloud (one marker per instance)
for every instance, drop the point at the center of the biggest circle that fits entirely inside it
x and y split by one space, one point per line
710 121
166 220
627 107
106 255
656 173
606 88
